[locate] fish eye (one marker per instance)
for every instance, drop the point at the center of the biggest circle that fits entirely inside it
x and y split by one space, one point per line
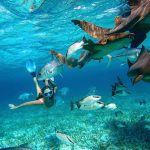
39 74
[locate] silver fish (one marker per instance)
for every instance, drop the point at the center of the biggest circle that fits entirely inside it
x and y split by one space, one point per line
74 48
121 93
20 147
50 70
129 53
88 103
94 106
64 91
89 100
16 148
119 89
64 138
25 96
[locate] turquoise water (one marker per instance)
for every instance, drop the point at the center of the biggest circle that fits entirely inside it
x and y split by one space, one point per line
25 34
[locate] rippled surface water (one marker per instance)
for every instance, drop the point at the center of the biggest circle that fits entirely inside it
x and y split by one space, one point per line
25 34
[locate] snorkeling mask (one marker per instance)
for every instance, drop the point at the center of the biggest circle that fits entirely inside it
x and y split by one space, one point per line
48 92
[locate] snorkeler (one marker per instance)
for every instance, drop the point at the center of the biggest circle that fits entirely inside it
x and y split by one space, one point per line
45 95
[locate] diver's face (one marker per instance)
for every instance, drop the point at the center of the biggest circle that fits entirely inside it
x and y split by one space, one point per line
48 92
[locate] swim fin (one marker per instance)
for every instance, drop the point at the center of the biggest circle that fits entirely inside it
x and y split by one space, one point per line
31 67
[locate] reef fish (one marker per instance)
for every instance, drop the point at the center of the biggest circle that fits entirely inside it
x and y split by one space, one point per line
88 100
137 22
74 48
92 106
140 70
50 70
25 96
139 17
119 89
20 147
128 53
72 62
98 50
64 138
64 91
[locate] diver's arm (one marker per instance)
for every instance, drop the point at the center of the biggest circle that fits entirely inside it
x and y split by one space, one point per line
38 89
35 102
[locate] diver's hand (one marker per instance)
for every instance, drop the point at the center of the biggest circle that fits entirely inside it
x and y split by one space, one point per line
12 106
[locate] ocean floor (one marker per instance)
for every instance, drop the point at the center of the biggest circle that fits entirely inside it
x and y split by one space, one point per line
91 130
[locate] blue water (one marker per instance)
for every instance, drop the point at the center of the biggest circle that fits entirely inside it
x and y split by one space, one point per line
25 34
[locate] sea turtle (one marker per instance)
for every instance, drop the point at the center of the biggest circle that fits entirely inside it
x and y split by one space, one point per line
140 70
138 22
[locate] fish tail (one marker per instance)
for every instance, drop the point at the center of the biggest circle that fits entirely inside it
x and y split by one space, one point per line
72 105
59 56
109 60
84 39
78 104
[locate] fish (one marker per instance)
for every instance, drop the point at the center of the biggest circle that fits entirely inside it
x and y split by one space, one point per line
25 96
92 106
128 53
92 90
88 100
140 69
16 148
64 138
50 70
71 62
64 91
75 47
98 50
118 113
20 147
111 106
142 102
119 89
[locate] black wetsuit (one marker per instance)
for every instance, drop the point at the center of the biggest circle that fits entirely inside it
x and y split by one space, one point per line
48 101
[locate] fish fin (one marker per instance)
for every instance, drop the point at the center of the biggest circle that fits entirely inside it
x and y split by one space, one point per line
84 39
70 139
23 145
119 80
78 104
131 80
93 30
137 79
143 51
113 90
109 60
122 64
71 105
129 63
61 75
61 58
